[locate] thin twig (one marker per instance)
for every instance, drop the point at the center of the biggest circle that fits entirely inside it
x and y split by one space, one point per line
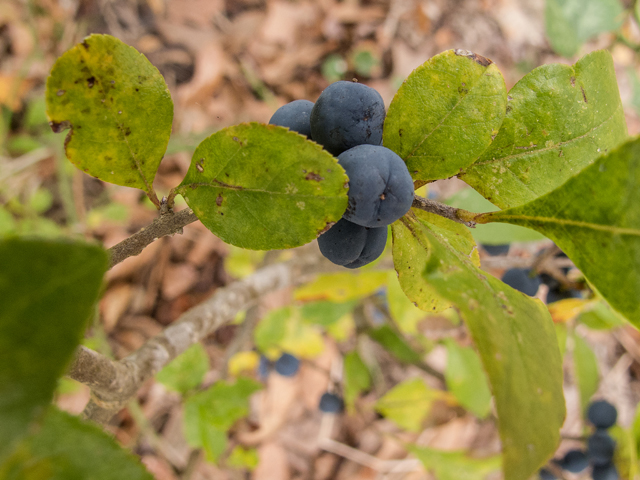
168 224
113 383
458 215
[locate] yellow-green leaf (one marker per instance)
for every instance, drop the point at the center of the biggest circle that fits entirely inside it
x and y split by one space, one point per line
47 291
264 187
516 340
456 465
467 380
408 403
66 448
118 107
445 114
411 255
594 218
560 118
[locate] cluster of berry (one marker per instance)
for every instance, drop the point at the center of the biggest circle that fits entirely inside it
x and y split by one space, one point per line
287 365
347 120
600 447
527 281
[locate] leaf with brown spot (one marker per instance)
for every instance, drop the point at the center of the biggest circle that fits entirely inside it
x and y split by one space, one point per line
513 333
120 123
445 113
560 118
264 187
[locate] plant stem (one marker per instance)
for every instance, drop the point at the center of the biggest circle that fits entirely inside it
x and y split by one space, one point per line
169 223
457 215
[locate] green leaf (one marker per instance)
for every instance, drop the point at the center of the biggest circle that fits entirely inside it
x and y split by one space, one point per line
600 316
467 380
492 233
264 187
341 287
516 340
570 23
408 403
594 218
210 414
186 371
455 465
65 448
48 290
356 378
560 118
411 256
445 114
325 313
246 458
283 330
118 107
586 370
405 314
394 344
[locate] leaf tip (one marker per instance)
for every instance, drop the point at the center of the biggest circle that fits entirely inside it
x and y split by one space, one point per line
479 59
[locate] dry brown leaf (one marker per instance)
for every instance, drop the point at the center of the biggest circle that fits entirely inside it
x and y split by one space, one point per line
178 279
12 90
114 304
210 67
158 467
273 463
286 21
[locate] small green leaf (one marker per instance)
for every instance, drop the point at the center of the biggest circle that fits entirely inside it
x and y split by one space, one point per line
467 380
394 344
594 218
412 255
600 316
445 114
210 414
264 187
118 107
570 23
48 290
456 465
586 370
515 337
246 458
492 233
408 403
405 314
560 118
341 287
283 330
325 313
186 371
356 378
65 448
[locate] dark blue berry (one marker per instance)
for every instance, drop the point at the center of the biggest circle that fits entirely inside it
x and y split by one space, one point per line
347 114
295 116
331 403
574 461
287 365
520 279
605 472
600 448
545 474
351 245
380 186
495 250
602 414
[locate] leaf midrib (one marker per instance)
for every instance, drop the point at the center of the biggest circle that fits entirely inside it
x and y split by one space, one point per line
562 221
550 148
